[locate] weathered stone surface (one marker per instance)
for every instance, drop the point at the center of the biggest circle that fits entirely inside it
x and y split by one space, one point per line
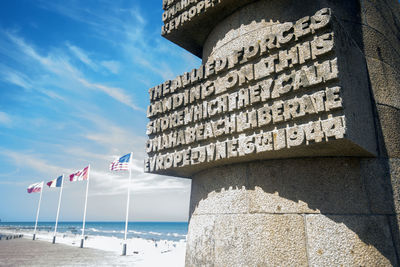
382 17
262 187
394 227
349 241
260 240
376 176
384 82
380 48
200 250
389 119
394 165
219 191
290 186
247 240
192 40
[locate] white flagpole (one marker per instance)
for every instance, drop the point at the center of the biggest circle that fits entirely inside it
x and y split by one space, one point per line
84 211
58 209
37 212
127 207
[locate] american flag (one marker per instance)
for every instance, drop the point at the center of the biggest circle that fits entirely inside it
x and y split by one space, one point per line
121 164
33 188
80 175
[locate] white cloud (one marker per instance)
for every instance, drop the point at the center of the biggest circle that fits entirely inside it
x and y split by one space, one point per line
17 78
29 159
128 25
61 66
57 64
114 92
82 56
112 66
114 138
5 119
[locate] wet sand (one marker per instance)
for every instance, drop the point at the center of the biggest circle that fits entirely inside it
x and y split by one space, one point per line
25 252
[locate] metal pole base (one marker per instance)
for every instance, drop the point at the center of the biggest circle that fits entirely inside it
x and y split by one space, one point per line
34 237
54 239
82 243
124 250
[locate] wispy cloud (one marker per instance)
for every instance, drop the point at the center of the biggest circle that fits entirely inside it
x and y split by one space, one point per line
114 92
115 138
82 56
32 160
63 95
103 182
112 66
58 64
5 119
16 78
129 27
61 66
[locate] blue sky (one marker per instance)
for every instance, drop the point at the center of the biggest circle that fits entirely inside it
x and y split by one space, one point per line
74 79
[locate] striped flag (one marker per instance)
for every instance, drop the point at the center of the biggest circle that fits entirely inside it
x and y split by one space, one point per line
121 164
56 182
80 175
34 188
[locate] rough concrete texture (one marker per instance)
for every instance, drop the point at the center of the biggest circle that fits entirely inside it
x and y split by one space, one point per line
271 187
394 165
377 184
308 186
389 118
264 224
193 40
349 240
247 240
210 195
385 80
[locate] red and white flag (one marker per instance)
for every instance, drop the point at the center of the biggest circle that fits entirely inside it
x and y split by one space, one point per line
80 175
34 188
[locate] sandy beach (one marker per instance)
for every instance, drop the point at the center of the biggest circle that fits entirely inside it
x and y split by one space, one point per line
98 251
25 252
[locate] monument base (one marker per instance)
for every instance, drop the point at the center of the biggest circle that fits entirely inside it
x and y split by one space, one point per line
293 212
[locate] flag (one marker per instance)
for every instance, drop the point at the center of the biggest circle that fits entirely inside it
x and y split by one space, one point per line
121 163
56 182
80 175
33 188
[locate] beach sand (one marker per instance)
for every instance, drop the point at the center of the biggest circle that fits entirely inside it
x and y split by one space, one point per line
25 252
98 251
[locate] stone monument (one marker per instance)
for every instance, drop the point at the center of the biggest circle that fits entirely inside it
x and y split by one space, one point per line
289 130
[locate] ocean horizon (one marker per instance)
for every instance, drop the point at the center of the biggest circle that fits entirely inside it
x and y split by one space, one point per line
171 231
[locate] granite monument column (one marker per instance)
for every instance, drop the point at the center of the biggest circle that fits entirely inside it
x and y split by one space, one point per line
289 130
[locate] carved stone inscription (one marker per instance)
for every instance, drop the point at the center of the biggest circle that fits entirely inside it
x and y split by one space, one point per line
277 93
177 12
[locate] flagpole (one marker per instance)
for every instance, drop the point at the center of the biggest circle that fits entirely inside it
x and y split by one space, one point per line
127 208
84 211
37 213
58 209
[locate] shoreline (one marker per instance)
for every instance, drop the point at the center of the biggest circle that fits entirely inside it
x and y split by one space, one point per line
145 252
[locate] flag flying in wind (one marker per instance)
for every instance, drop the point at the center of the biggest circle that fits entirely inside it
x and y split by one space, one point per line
56 182
33 188
80 175
121 163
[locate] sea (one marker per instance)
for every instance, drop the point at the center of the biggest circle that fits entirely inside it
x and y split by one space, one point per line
155 231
